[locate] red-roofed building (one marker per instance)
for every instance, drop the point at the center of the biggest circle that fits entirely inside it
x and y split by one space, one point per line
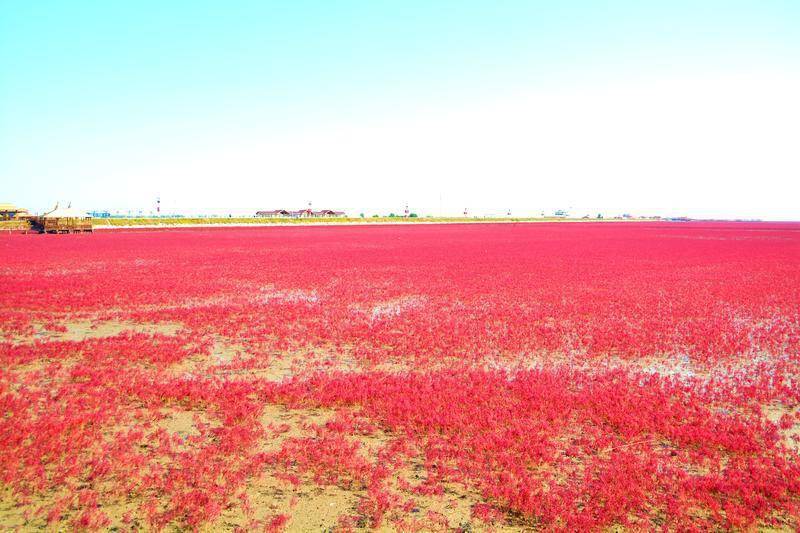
302 213
275 213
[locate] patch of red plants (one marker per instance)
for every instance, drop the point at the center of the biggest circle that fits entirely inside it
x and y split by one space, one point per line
571 376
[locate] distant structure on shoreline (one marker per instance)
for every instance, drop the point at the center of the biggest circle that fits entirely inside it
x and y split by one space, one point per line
12 212
62 220
302 213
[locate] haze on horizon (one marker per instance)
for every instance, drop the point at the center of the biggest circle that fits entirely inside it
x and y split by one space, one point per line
677 108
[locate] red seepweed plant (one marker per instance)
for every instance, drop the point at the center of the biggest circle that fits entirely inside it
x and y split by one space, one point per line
554 376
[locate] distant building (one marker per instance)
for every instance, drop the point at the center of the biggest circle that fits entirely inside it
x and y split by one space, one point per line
328 213
63 220
302 213
12 212
275 213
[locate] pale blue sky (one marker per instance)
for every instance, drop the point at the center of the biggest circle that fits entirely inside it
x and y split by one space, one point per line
366 105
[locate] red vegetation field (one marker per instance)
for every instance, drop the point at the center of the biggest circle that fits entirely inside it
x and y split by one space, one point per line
498 376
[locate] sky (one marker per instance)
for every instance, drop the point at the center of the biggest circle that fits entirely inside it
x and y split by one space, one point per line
673 108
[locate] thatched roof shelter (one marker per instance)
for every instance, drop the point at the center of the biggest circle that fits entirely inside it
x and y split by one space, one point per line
64 220
10 211
66 212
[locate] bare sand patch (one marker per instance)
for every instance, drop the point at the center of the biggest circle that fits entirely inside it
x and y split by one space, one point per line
789 436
